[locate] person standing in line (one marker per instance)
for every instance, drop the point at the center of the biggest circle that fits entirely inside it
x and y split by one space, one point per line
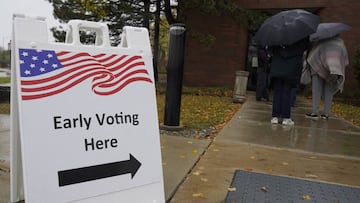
294 91
262 74
327 59
298 87
285 72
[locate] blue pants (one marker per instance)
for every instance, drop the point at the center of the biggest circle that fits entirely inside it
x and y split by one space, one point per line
321 88
281 107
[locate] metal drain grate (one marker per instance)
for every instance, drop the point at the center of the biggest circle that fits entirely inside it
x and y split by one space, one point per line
252 187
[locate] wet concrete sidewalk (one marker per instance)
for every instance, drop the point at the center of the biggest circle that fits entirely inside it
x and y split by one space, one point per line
320 150
201 171
4 158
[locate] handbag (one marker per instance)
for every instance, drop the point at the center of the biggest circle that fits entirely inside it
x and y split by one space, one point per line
305 75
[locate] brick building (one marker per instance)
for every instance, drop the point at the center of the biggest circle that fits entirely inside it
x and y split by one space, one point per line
216 65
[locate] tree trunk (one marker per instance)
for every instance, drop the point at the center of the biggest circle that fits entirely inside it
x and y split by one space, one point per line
146 14
169 17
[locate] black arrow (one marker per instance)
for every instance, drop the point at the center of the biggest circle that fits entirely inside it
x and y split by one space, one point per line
89 173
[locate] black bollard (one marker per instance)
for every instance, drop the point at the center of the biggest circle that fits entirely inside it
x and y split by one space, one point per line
175 69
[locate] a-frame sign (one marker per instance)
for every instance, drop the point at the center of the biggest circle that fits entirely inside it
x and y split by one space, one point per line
84 124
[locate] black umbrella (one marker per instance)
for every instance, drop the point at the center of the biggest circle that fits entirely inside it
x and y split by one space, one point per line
287 27
328 30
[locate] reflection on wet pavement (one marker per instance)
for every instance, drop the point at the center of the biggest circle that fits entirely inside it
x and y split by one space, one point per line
334 136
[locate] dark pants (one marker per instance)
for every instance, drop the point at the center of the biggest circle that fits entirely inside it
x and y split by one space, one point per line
281 99
261 84
293 96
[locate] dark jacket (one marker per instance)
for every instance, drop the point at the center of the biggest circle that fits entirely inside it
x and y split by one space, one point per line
286 62
264 58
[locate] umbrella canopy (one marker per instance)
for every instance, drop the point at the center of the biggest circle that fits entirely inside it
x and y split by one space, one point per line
287 27
328 30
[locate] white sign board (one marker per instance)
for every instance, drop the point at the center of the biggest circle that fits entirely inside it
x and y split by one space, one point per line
87 116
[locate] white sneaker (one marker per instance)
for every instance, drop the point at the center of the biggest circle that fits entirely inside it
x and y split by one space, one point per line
288 121
274 120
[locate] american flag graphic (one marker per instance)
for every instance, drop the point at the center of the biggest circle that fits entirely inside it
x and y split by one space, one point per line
45 73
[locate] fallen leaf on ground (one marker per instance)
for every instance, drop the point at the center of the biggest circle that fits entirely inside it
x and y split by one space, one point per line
189 142
285 163
194 152
264 189
307 197
232 189
248 169
204 179
215 150
197 173
201 167
313 157
197 136
311 176
183 155
270 170
200 194
253 157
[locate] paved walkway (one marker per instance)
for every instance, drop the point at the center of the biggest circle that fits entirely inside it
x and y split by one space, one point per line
201 170
317 150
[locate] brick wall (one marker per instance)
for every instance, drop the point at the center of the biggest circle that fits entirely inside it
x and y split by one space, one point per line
215 64
210 64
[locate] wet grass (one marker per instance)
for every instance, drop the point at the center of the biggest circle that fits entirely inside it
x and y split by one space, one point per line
346 111
201 107
4 80
4 106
